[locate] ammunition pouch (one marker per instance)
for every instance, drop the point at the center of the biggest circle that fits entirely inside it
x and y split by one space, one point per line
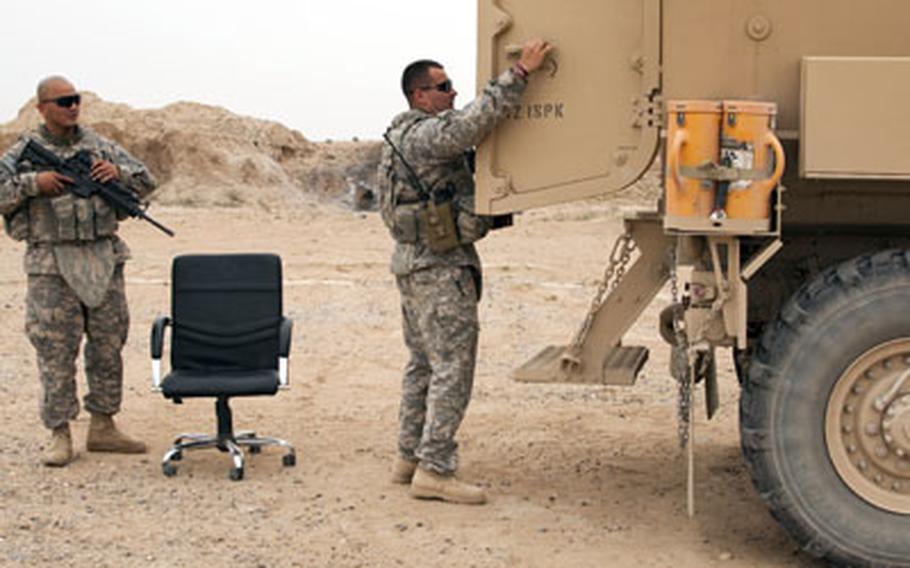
427 222
438 222
402 224
65 218
81 218
441 226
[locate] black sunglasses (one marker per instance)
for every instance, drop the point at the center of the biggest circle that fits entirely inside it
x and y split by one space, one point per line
66 101
444 87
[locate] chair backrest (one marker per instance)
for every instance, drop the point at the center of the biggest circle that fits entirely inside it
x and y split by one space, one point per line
226 311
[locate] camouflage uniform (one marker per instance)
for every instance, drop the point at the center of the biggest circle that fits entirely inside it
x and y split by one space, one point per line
439 290
74 262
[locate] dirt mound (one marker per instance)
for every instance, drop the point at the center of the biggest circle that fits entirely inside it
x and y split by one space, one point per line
208 156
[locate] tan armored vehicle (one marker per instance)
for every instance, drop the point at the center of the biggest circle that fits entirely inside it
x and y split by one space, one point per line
782 128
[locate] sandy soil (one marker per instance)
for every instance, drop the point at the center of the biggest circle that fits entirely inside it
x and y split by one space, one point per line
579 476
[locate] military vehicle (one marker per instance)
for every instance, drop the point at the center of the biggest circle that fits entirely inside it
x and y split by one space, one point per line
782 131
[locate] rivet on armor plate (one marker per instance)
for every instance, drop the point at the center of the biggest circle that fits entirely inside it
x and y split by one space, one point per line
848 428
872 429
848 408
897 486
862 465
851 449
758 28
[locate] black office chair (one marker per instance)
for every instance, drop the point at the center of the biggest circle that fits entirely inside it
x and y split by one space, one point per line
228 338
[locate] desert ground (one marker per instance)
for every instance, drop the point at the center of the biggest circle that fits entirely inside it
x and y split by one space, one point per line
578 475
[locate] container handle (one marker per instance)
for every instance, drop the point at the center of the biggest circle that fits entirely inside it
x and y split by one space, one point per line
513 51
779 158
679 140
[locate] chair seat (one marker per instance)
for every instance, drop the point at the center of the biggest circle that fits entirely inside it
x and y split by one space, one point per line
187 384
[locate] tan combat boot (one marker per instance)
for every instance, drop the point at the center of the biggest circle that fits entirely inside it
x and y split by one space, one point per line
403 470
103 436
430 485
60 451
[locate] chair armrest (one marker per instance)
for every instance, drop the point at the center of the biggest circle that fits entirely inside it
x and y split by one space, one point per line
157 348
284 351
284 337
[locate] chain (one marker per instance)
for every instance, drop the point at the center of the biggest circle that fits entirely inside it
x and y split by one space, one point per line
682 372
680 367
623 247
674 277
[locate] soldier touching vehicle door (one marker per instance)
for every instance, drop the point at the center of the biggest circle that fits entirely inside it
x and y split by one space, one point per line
427 201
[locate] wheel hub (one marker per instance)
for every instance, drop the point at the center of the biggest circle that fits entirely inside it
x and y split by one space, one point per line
896 426
867 426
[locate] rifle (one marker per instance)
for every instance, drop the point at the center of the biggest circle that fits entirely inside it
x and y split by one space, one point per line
79 169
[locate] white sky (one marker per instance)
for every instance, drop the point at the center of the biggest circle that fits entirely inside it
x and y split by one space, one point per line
328 68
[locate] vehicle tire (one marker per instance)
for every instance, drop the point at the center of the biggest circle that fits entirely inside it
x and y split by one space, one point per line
817 444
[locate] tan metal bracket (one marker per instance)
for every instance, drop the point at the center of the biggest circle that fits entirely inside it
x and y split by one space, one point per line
760 259
601 359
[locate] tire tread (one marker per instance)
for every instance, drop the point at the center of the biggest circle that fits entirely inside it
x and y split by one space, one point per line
773 351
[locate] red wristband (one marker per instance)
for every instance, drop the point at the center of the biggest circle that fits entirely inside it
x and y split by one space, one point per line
521 70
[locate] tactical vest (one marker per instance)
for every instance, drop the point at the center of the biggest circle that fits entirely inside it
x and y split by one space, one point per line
62 218
67 218
423 219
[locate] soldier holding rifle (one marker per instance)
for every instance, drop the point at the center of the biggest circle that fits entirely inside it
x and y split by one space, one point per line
74 263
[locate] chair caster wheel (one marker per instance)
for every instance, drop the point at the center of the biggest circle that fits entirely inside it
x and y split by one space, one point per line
289 460
177 457
255 449
236 474
168 469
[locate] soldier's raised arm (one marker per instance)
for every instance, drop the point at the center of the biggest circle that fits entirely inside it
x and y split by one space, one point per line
457 130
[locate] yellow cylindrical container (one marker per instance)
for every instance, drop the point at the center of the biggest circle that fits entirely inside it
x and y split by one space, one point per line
748 143
693 136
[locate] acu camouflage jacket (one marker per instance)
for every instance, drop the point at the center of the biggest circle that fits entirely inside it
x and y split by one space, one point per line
66 234
435 146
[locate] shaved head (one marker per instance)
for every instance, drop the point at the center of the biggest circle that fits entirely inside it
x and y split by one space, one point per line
45 85
58 104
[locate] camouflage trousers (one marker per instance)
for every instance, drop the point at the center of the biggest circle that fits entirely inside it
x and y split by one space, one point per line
55 322
439 315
